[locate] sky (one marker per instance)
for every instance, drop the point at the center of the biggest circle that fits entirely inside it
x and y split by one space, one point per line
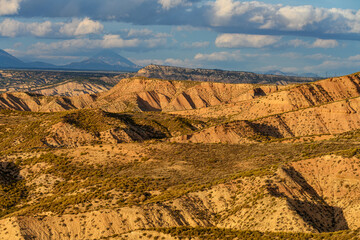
320 37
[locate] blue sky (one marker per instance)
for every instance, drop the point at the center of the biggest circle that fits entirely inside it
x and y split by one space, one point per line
319 36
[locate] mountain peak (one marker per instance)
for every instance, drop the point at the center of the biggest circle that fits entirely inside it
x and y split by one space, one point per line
2 52
112 58
105 60
9 61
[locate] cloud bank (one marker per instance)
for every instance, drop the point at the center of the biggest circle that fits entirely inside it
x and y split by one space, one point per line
77 27
219 56
167 4
224 16
318 43
13 28
81 27
84 45
245 40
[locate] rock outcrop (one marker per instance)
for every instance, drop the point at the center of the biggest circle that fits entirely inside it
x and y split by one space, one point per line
213 75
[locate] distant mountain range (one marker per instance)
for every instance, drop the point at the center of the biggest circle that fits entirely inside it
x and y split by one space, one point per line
280 73
103 61
110 61
9 61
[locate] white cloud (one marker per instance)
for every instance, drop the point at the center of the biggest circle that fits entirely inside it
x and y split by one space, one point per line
224 9
140 32
324 43
144 34
298 43
229 56
10 28
219 56
189 28
297 18
175 62
354 58
155 43
39 29
200 44
316 56
292 55
333 65
115 41
13 28
65 46
319 56
236 16
81 27
196 44
245 40
250 15
79 45
318 43
167 4
56 59
8 7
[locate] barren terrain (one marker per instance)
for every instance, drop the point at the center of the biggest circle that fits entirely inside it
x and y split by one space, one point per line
164 159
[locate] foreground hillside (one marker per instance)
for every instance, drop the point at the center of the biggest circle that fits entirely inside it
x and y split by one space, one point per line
105 188
160 159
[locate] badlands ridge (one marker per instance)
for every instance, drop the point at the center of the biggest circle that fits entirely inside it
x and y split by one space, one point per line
165 159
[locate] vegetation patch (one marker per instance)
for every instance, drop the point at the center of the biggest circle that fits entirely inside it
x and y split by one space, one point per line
12 188
229 234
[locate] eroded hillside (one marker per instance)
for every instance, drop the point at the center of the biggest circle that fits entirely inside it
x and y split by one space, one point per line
111 190
159 159
62 83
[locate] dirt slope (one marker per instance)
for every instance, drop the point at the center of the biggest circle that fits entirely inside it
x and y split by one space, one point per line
233 133
162 95
142 95
70 89
337 117
285 100
314 195
39 103
243 100
336 180
325 107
